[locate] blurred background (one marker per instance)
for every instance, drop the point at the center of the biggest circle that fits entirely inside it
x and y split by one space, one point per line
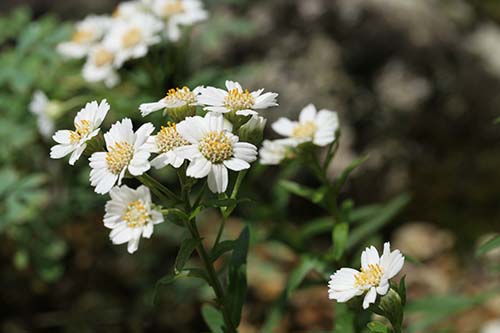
416 84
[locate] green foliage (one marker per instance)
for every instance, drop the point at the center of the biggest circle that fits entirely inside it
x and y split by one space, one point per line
488 246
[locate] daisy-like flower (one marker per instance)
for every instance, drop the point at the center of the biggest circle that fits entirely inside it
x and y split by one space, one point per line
273 152
126 150
46 111
313 126
373 278
177 13
131 38
178 103
128 9
213 150
164 143
131 216
87 122
87 33
235 99
100 66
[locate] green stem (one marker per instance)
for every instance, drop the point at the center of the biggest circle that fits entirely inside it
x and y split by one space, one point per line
147 179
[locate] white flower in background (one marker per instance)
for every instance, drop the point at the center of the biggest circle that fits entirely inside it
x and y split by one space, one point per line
235 99
128 9
273 152
318 127
87 122
46 111
130 215
177 13
165 142
131 38
373 278
87 33
175 99
492 326
126 150
213 150
100 66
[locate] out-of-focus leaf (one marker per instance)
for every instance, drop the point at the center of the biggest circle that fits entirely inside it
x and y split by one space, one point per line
340 181
313 195
221 248
370 226
237 287
378 327
490 245
344 318
186 249
213 318
340 235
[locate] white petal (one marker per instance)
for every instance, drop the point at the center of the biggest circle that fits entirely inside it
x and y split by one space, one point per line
199 168
148 230
77 153
236 164
187 152
265 101
62 136
308 113
247 112
369 257
284 126
147 108
218 178
383 287
230 85
370 298
193 129
121 234
59 151
245 151
133 244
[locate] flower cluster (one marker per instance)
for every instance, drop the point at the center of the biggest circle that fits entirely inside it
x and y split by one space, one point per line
316 127
208 145
107 42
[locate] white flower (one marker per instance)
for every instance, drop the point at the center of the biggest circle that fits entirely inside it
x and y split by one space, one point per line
177 13
130 215
492 326
126 150
275 151
100 66
373 278
131 38
318 127
213 150
128 9
46 111
175 98
87 33
165 143
87 122
235 99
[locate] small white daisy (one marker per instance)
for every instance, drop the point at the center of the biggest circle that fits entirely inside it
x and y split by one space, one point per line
164 143
87 33
100 66
87 123
131 38
177 13
373 278
46 111
318 127
235 99
126 150
273 152
213 150
174 100
131 216
128 9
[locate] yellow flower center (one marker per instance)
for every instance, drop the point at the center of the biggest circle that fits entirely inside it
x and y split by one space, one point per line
216 147
183 95
136 214
369 277
81 129
103 57
172 8
132 37
82 36
168 138
305 130
119 157
238 100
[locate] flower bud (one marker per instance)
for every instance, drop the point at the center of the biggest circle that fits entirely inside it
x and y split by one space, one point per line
253 130
391 307
178 114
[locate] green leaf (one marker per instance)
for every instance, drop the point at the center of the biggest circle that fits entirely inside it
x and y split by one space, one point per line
340 235
378 327
188 245
296 277
341 180
237 287
217 203
402 290
213 318
344 319
221 248
490 245
313 195
387 213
